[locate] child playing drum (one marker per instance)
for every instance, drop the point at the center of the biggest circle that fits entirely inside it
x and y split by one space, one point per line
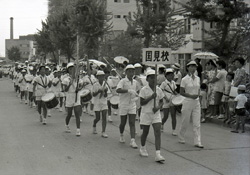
150 114
169 89
40 86
99 100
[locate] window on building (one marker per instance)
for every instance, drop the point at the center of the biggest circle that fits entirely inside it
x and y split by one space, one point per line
124 16
117 16
126 1
117 0
187 25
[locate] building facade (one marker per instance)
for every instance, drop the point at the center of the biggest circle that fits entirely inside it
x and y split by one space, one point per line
26 45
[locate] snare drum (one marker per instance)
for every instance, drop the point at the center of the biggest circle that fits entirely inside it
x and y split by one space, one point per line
50 100
177 100
114 100
85 96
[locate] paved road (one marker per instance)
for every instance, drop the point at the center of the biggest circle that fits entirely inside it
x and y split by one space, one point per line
29 148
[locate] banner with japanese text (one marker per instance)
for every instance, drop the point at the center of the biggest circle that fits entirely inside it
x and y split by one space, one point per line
157 56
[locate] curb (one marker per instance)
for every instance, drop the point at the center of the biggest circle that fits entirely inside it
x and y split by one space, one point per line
220 122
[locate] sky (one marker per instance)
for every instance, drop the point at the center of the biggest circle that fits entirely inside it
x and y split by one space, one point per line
27 15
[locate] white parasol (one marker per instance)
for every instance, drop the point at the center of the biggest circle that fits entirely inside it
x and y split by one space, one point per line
120 59
98 63
206 55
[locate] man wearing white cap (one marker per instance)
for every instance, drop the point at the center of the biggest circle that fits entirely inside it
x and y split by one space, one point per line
190 88
150 114
127 89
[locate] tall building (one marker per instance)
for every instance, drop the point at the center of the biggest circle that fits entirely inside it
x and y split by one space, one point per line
120 10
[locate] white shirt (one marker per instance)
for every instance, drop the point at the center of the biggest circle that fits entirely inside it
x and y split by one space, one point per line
168 88
42 82
178 77
96 99
125 83
220 84
241 100
145 93
190 85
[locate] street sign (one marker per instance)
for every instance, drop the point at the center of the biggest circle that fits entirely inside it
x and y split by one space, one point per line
157 56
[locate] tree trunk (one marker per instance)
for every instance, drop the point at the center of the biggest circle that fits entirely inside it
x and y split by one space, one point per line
224 36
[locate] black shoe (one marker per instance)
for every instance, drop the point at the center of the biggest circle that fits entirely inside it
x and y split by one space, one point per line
234 131
199 146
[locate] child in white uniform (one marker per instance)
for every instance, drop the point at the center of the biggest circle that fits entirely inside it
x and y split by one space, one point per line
151 115
127 89
99 92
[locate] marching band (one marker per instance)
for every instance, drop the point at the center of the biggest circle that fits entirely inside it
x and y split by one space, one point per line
134 93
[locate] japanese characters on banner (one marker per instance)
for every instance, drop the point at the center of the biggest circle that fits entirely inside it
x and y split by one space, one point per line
157 56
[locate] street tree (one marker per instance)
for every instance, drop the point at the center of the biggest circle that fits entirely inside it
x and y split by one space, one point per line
122 45
14 54
61 33
222 13
90 20
153 20
44 43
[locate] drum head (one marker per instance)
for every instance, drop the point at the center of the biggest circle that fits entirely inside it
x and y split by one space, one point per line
177 100
114 100
85 92
48 97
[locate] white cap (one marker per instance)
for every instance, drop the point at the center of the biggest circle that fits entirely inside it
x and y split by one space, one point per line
130 66
24 71
169 70
150 72
100 72
137 65
176 66
70 65
31 68
192 63
242 87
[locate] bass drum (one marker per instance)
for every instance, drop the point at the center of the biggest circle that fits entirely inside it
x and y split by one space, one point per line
114 101
50 100
85 96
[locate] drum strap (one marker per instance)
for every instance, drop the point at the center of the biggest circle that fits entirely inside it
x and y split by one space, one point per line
170 89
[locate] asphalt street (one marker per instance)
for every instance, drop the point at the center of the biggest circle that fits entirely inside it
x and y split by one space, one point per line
29 148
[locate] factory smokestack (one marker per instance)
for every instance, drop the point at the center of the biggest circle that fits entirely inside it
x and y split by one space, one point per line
11 28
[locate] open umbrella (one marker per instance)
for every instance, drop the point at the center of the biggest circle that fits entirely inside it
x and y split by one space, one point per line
120 59
98 63
206 55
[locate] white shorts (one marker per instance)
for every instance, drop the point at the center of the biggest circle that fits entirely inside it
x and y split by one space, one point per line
150 118
125 110
100 107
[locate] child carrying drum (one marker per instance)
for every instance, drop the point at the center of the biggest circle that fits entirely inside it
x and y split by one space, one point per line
169 89
151 115
40 85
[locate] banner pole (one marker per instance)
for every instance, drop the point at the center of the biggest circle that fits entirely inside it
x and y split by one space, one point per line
155 84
